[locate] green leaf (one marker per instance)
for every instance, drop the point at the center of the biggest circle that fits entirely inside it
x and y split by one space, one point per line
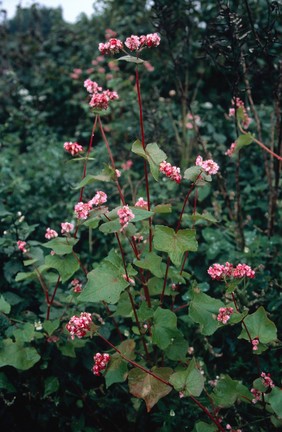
164 330
5 307
155 157
243 140
5 384
51 385
177 351
204 427
203 310
102 177
137 148
51 326
228 391
192 173
131 59
275 400
259 326
65 265
175 243
205 216
140 214
124 306
92 223
190 381
24 334
17 355
162 208
110 227
61 245
117 370
105 283
152 262
145 386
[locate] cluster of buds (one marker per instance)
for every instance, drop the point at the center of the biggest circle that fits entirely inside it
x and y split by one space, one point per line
99 98
101 361
79 325
170 171
257 395
266 380
73 148
255 343
224 314
223 271
209 166
141 203
239 104
231 149
50 233
66 227
82 210
22 246
133 43
125 215
77 285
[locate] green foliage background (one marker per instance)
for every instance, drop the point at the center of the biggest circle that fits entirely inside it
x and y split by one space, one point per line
210 52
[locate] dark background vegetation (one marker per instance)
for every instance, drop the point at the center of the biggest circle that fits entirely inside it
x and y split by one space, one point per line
210 52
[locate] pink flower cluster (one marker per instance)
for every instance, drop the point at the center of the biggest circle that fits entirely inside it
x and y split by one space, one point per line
238 103
134 43
79 325
50 233
224 314
67 227
127 165
99 100
101 361
141 203
255 343
220 271
73 148
209 166
266 380
257 395
82 210
170 171
113 46
77 285
22 246
125 215
231 150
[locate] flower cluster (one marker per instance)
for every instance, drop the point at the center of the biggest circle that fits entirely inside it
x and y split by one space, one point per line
101 361
255 343
266 380
77 285
113 46
125 215
22 246
50 233
209 166
73 148
238 103
141 203
133 43
99 98
67 227
221 271
192 120
82 210
257 395
79 325
127 165
231 149
224 314
170 171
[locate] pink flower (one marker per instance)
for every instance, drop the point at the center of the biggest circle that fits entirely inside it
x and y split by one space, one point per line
109 33
209 166
92 86
220 271
100 101
113 46
152 40
127 165
67 227
77 285
82 210
50 233
231 150
266 380
99 198
257 395
22 246
170 171
125 215
243 270
118 173
132 43
141 203
101 361
113 66
149 66
73 148
238 103
255 343
79 325
224 314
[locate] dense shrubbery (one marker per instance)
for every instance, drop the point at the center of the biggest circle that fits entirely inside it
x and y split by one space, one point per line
196 369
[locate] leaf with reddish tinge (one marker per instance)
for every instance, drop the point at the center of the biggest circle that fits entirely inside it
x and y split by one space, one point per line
145 386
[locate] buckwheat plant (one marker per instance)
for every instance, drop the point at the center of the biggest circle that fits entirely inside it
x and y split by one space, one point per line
141 288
